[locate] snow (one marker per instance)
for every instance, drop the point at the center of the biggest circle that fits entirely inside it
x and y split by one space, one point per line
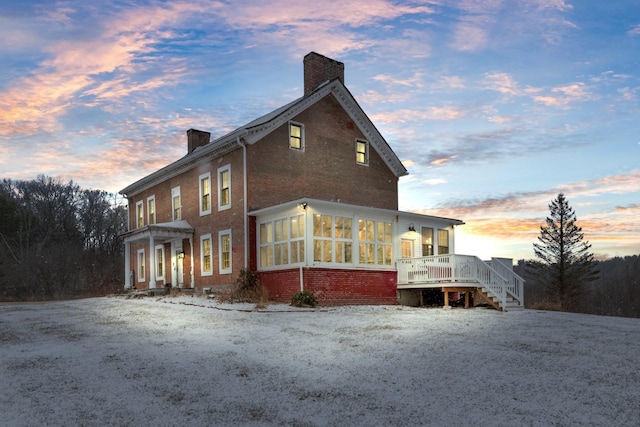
187 361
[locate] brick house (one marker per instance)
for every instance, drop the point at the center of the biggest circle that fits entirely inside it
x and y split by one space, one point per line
306 195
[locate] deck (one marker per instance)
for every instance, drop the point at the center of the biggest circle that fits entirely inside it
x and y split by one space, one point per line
495 279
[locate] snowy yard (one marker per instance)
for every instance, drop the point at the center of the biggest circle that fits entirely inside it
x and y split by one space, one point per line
189 361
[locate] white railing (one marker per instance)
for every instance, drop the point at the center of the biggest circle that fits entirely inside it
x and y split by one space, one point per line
497 279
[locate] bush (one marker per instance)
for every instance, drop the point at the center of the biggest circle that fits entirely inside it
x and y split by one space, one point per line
304 299
247 288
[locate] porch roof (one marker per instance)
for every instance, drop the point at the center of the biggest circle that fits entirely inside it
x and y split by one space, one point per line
160 232
356 208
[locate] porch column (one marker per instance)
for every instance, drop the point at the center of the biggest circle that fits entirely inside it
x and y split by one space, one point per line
152 261
127 265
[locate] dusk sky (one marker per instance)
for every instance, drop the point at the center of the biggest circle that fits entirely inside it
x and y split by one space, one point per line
493 106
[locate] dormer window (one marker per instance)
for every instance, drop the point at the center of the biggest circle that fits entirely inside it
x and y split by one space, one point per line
296 136
362 152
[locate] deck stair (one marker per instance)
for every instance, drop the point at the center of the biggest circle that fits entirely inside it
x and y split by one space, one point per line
495 280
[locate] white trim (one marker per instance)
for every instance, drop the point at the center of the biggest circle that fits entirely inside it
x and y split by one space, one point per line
139 214
221 234
222 169
143 270
162 258
202 239
150 199
175 192
201 194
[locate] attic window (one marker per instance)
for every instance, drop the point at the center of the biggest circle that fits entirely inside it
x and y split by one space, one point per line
296 136
362 152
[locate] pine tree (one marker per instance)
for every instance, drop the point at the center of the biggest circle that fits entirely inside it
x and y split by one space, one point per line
564 262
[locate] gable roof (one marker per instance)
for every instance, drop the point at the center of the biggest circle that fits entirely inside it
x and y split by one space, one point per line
257 129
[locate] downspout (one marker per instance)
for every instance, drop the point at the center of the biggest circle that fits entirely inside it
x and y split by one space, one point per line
244 197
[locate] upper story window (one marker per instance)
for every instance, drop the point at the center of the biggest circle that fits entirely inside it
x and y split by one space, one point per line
151 209
205 194
176 204
139 214
224 187
443 242
296 136
362 152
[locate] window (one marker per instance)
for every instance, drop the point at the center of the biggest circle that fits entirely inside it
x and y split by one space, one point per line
205 194
427 241
406 247
343 239
224 187
362 152
282 241
375 242
139 214
141 266
322 238
151 210
205 255
176 204
443 242
332 239
296 136
224 244
159 262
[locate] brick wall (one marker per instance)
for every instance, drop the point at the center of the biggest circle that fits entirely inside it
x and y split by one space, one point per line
326 169
333 286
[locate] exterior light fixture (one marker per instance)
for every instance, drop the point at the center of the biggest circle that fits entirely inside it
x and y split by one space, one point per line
411 227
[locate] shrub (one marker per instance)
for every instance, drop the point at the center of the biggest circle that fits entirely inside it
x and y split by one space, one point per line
304 299
247 288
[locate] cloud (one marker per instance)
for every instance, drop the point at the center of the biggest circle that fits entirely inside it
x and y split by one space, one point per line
634 31
429 113
574 92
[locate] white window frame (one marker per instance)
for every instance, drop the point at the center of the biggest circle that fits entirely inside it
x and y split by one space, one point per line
161 265
201 178
365 162
142 268
222 268
378 243
221 170
139 214
203 238
291 137
289 241
175 192
151 201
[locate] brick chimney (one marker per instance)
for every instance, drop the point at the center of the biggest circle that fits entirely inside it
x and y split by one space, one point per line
197 138
318 69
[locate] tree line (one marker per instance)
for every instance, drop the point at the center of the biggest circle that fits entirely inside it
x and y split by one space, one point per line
58 240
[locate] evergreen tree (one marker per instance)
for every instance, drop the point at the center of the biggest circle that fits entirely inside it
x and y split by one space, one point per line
564 262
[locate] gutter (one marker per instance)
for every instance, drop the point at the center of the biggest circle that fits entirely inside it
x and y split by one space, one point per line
244 198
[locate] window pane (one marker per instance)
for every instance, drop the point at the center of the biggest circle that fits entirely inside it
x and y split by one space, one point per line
295 136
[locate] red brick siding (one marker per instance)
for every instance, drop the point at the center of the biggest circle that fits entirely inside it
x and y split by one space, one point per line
333 286
325 170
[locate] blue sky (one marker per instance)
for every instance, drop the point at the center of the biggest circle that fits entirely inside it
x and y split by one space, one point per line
493 106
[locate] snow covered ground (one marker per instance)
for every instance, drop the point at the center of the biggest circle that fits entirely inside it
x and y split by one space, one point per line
190 361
